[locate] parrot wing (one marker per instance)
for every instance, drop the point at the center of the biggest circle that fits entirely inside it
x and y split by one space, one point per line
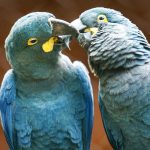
82 74
113 132
7 96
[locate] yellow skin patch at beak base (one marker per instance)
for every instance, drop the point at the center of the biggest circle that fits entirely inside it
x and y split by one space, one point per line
49 45
92 30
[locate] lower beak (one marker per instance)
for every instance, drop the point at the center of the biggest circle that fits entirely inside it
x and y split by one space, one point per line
65 40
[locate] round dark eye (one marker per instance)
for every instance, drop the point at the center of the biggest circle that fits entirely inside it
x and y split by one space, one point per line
32 41
101 18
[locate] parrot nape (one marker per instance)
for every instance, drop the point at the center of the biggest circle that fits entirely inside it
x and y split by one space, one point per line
119 54
46 101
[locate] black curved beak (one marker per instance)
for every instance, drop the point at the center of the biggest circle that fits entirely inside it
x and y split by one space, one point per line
63 30
78 25
61 27
85 33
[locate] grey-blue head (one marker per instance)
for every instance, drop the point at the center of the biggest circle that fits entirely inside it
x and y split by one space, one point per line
111 40
93 17
31 47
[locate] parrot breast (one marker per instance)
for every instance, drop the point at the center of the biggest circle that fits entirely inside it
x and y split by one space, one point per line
50 116
125 95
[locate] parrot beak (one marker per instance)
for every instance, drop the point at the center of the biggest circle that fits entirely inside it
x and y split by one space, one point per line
78 25
85 33
61 30
61 27
49 45
82 28
65 39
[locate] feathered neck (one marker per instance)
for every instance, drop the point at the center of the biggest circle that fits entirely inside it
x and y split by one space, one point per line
116 46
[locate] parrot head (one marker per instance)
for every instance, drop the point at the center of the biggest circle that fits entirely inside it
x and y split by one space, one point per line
112 41
34 44
90 21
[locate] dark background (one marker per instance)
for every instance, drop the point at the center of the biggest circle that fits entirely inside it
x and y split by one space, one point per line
10 10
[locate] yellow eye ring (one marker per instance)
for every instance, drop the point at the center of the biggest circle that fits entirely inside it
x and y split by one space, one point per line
32 41
102 18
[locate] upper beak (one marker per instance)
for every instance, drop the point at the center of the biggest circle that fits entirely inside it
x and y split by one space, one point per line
78 24
62 32
83 28
61 27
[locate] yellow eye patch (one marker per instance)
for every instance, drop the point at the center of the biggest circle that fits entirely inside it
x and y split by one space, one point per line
102 18
32 41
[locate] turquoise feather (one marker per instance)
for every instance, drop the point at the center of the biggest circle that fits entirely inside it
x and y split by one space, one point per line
46 100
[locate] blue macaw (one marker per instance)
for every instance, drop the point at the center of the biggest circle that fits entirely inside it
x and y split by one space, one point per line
119 55
46 101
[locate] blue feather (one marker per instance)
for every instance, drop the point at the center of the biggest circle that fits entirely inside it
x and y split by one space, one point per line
88 97
113 132
7 96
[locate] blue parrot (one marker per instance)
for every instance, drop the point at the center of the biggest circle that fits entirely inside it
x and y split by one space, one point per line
119 54
46 101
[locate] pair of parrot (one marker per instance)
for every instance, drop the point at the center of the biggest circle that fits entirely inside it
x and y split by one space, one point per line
46 101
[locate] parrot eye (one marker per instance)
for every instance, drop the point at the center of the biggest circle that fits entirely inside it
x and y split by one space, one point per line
32 41
102 18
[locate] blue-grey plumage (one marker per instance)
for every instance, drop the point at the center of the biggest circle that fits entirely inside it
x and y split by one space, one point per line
46 100
7 95
119 54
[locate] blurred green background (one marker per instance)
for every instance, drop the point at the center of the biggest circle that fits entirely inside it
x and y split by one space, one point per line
11 10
